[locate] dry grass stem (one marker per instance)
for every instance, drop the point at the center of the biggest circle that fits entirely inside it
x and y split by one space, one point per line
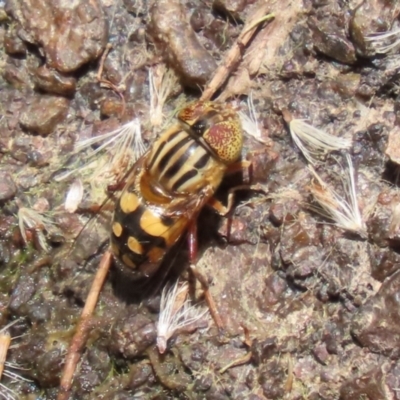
315 143
31 219
176 314
240 361
343 210
163 83
6 367
5 341
233 55
79 338
385 42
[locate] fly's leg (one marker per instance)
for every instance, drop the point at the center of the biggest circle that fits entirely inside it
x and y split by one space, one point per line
225 210
243 166
246 168
79 339
192 237
116 187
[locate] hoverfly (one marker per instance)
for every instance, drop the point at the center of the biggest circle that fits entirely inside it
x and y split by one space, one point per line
171 182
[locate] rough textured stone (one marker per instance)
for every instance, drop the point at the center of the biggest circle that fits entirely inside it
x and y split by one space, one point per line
376 323
51 81
371 17
70 33
369 386
232 8
44 113
7 186
180 47
330 40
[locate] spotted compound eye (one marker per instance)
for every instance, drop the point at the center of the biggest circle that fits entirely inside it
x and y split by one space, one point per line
216 124
226 140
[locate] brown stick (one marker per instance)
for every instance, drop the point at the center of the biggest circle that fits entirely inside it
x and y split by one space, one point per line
102 60
233 55
79 339
106 82
209 299
239 361
5 340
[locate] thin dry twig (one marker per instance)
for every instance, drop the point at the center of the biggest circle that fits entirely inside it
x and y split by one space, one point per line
239 361
6 367
107 83
290 376
82 330
5 341
233 55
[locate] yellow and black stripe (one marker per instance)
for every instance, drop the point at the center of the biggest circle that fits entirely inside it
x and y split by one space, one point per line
179 162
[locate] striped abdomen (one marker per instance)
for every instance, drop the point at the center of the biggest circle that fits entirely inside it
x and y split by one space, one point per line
141 232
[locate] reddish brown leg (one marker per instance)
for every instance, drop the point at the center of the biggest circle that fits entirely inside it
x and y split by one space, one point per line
95 208
243 166
81 333
221 209
192 238
224 210
116 187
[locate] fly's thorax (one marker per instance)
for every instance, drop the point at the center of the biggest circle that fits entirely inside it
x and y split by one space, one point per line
181 164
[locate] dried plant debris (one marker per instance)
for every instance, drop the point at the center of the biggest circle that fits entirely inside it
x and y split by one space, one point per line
249 120
116 151
74 196
342 209
313 142
163 82
40 223
394 226
385 42
177 314
8 370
